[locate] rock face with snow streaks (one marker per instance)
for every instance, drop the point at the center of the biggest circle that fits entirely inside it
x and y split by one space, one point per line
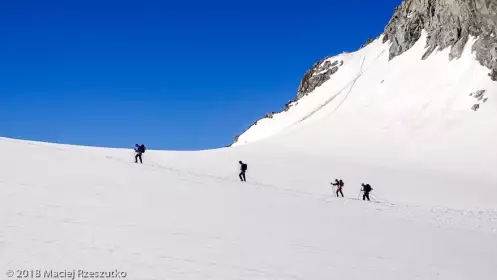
449 23
318 75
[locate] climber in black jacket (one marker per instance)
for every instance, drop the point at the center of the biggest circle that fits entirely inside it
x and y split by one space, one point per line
243 169
366 188
339 184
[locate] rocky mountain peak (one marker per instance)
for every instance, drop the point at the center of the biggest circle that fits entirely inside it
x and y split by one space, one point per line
449 23
317 75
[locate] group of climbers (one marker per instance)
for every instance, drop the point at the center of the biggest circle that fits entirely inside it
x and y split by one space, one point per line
366 188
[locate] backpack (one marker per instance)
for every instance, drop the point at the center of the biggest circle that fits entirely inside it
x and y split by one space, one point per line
244 167
142 148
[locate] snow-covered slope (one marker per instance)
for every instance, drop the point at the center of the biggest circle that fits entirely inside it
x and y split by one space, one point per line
403 114
416 94
185 215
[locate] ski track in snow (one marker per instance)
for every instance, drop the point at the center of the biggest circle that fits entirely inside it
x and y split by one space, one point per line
475 218
178 217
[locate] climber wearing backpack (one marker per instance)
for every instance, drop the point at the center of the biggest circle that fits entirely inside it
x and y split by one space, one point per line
139 150
366 188
339 184
243 169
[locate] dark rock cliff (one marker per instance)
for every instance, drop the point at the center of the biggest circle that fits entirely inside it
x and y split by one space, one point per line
448 23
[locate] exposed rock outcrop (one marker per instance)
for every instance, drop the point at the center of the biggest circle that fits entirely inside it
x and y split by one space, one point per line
369 41
449 23
288 105
318 75
480 97
270 115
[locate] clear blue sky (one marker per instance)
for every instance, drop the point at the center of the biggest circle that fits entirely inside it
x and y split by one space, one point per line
180 75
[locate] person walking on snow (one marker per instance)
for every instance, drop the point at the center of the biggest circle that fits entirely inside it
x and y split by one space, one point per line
243 169
366 188
339 184
139 150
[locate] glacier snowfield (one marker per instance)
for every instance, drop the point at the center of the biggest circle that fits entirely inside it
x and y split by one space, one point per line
185 215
